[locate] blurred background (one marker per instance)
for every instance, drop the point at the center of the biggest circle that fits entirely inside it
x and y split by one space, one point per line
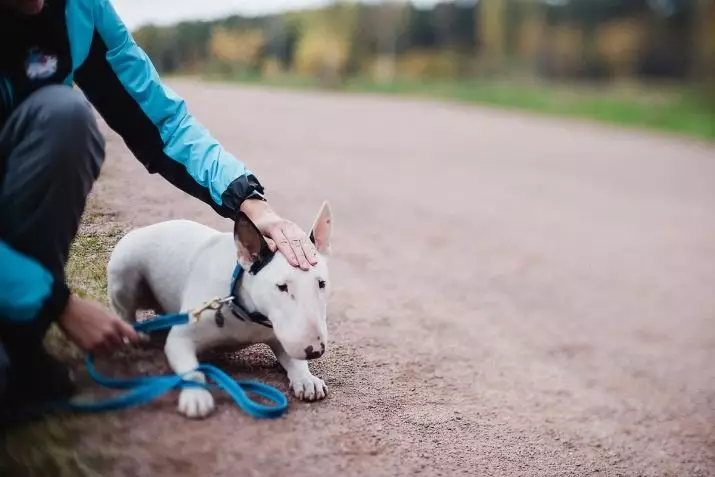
636 62
513 295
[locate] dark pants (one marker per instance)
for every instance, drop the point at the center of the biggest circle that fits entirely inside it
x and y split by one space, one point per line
51 152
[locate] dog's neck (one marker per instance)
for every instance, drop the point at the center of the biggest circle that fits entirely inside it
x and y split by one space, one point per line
238 306
243 298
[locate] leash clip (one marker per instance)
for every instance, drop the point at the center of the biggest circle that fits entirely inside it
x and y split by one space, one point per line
214 304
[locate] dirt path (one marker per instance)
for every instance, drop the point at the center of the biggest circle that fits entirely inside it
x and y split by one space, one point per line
512 295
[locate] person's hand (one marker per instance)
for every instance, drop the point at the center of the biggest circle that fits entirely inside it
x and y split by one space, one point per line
93 328
281 234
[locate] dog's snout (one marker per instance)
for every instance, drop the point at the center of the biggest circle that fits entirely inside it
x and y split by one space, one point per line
312 353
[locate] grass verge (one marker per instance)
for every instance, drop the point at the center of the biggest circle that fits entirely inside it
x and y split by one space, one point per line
51 447
663 109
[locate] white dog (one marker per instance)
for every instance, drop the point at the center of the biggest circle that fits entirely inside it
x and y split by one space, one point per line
177 265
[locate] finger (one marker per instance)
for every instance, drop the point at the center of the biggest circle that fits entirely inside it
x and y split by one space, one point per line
284 247
112 342
127 331
271 244
309 250
297 248
296 243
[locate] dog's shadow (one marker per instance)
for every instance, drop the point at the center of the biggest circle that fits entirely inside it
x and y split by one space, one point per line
255 359
254 363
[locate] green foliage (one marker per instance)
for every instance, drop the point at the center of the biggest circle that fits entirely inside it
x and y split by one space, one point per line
491 30
466 44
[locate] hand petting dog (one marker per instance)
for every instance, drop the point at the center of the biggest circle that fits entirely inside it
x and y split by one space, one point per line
281 234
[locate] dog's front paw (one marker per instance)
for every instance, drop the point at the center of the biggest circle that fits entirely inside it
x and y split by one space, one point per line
196 403
308 387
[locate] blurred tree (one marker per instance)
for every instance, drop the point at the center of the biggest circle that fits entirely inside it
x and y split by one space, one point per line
191 43
391 18
589 15
236 51
159 44
464 27
363 42
322 54
420 32
566 38
276 39
492 35
149 37
443 19
324 44
704 39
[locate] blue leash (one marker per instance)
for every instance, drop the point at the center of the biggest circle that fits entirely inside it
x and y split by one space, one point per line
147 388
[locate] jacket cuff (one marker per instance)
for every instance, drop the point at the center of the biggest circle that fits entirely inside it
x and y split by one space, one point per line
55 305
244 187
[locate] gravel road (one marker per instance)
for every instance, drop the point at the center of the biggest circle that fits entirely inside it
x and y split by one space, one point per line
513 295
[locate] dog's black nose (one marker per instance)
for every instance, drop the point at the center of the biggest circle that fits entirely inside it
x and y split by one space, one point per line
311 353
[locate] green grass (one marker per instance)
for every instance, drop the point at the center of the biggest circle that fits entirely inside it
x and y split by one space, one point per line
51 447
667 110
663 109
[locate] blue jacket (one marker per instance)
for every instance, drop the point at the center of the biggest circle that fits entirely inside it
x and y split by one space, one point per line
84 42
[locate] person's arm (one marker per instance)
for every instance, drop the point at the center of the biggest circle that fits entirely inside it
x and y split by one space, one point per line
28 291
31 296
121 82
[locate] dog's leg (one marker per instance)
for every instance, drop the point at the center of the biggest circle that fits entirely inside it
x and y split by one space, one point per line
304 385
180 350
121 291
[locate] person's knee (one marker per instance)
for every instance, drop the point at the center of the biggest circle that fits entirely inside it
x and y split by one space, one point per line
69 125
64 114
62 106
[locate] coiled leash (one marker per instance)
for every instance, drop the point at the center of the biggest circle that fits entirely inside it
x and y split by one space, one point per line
144 389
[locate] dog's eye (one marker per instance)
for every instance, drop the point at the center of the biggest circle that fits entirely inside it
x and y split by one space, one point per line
321 283
283 287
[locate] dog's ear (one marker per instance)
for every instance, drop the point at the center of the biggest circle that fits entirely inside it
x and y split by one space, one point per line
321 230
253 251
